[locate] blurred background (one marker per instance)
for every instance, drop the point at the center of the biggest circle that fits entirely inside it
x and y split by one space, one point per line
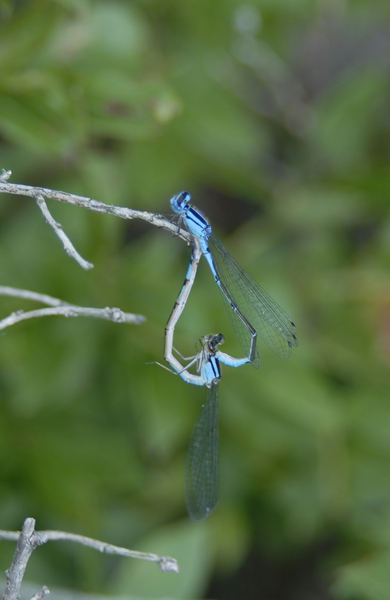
275 116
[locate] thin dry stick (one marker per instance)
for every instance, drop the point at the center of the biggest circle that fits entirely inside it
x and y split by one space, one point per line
68 246
44 591
166 563
24 548
28 539
28 295
62 308
90 204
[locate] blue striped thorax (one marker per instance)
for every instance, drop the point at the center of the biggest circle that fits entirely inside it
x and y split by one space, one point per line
196 223
211 372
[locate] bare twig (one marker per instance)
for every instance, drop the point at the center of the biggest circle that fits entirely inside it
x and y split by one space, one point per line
90 204
9 536
44 591
68 246
62 308
166 563
28 539
24 548
28 295
109 314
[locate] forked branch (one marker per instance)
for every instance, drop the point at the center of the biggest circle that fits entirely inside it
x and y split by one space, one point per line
42 194
59 307
29 539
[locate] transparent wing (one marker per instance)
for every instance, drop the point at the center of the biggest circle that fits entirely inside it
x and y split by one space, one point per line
202 464
270 321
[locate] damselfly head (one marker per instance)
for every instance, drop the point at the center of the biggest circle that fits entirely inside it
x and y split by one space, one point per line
213 341
180 202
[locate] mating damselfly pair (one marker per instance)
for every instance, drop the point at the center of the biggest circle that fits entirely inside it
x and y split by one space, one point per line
253 313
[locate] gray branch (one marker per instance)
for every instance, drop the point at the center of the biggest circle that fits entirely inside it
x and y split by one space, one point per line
90 204
57 227
166 563
24 548
62 308
44 591
29 539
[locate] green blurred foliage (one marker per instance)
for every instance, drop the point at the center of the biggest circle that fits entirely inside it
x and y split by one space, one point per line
275 116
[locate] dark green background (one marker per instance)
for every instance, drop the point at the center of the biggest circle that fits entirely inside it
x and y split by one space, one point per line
275 115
